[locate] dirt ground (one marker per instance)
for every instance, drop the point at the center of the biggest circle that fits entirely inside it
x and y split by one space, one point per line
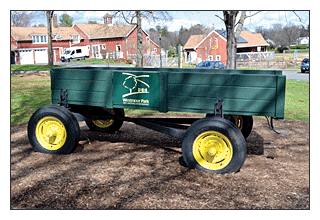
137 168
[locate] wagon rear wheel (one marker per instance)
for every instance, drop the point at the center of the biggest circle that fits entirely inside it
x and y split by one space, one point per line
109 125
53 130
243 122
214 145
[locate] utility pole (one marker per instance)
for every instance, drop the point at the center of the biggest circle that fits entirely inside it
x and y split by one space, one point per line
50 52
160 50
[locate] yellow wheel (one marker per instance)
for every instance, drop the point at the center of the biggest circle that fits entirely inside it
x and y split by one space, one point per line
212 150
243 122
51 133
53 130
214 144
105 125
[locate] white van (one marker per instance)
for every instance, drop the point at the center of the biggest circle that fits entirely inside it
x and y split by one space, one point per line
75 53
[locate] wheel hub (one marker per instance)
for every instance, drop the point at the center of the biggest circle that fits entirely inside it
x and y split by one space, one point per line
51 133
212 150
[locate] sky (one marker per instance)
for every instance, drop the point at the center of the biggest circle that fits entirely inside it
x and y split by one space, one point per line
207 18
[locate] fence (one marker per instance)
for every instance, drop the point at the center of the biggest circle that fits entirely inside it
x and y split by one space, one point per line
267 60
154 60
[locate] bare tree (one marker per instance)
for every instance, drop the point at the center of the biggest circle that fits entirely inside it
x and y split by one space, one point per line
50 52
135 17
21 18
234 29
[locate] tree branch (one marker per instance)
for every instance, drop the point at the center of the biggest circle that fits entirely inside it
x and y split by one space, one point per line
297 16
253 14
220 18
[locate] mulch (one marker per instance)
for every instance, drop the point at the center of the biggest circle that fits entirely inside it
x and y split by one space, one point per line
137 168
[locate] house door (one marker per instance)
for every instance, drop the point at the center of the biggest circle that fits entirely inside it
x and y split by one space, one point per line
96 51
41 55
26 57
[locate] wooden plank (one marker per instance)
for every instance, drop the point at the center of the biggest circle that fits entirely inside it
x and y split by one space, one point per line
264 81
220 71
81 85
208 104
83 98
97 74
234 92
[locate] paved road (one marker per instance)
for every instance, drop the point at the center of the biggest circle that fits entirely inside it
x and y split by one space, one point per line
296 75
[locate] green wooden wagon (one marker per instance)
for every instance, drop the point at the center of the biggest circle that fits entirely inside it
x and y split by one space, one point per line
215 143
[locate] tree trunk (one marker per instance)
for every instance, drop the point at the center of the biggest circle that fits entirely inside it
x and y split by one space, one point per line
50 53
233 35
139 41
230 18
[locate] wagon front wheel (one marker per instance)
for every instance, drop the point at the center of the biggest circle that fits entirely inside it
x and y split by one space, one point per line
53 130
214 145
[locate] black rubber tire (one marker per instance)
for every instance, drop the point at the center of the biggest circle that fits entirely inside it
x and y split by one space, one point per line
115 126
247 123
224 127
68 120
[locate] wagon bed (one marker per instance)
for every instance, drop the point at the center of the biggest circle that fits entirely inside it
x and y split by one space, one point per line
244 92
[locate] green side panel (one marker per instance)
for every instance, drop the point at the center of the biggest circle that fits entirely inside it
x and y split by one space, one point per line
245 94
136 89
85 86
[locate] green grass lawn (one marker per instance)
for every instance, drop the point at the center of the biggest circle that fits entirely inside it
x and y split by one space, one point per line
27 95
30 93
18 68
297 100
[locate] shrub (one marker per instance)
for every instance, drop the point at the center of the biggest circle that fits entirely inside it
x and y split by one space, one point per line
129 61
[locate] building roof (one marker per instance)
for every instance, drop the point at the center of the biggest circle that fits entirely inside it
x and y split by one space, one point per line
224 34
25 33
194 40
246 39
253 39
105 31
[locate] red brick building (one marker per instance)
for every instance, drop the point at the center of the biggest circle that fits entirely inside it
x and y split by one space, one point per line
29 45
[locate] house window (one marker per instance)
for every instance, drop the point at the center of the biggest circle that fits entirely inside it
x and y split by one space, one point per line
39 39
210 57
103 46
154 49
76 38
118 48
218 58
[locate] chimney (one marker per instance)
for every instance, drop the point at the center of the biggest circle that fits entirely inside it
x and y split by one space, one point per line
107 19
54 21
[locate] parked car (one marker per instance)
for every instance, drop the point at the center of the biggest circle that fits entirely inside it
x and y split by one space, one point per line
305 65
75 53
210 65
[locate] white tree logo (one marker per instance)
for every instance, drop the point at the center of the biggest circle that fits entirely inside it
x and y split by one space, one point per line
131 83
